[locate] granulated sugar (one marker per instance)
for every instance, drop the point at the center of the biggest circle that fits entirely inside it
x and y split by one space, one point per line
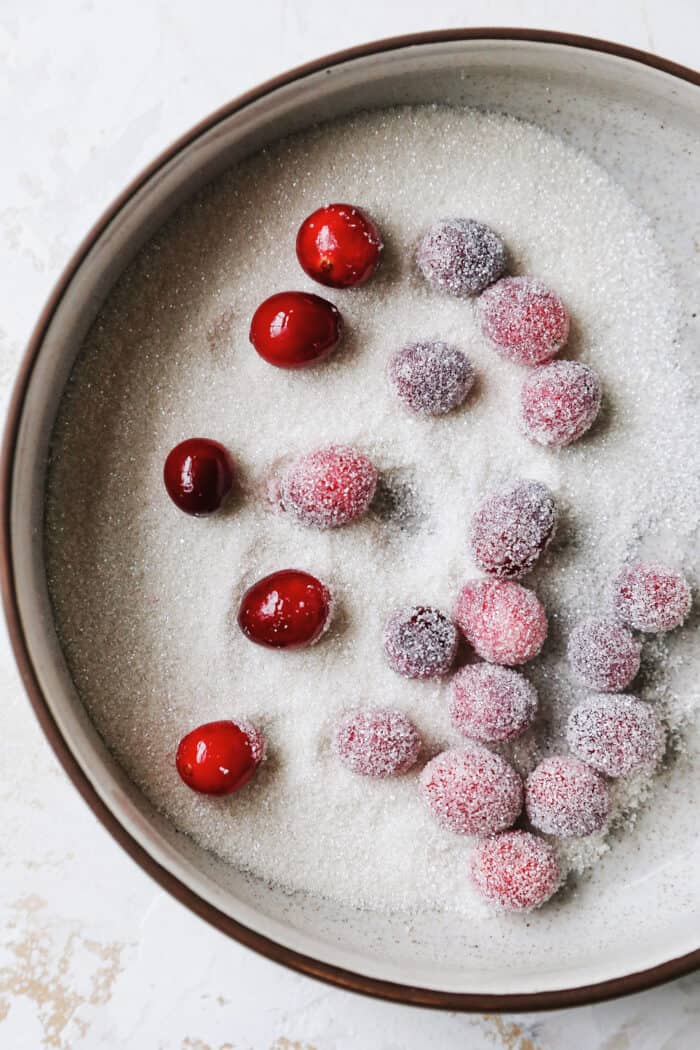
146 597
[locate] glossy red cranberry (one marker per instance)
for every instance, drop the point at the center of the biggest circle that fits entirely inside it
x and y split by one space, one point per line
198 475
295 329
218 758
286 610
339 246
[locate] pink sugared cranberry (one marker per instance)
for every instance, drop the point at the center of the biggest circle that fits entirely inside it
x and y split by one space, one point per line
430 378
651 597
618 735
377 742
329 487
516 871
339 246
461 256
559 402
503 621
512 527
198 475
604 654
286 610
491 703
471 791
565 797
420 642
524 320
218 758
295 329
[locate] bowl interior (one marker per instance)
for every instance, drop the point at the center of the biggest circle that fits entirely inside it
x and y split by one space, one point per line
639 124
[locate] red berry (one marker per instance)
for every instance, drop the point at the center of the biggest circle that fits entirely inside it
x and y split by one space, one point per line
491 703
295 329
329 487
471 791
377 743
526 322
339 246
651 597
461 256
218 758
512 527
504 622
420 642
559 402
516 871
430 378
286 610
604 654
618 735
564 797
198 475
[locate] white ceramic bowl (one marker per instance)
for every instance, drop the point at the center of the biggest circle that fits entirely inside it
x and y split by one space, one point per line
638 117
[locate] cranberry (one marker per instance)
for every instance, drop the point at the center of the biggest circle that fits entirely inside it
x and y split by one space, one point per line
512 527
491 703
559 402
218 758
295 329
504 622
461 256
430 378
471 791
339 246
198 475
329 487
515 871
617 735
564 797
377 743
286 610
526 322
604 654
651 597
420 642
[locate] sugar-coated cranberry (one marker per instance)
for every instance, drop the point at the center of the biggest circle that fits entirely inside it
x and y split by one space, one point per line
295 329
420 642
286 610
218 758
565 797
515 871
461 256
198 475
491 703
524 320
651 597
471 791
512 526
604 654
430 377
618 735
377 742
504 622
339 246
329 487
559 402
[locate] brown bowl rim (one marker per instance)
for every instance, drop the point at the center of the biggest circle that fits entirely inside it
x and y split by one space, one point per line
395 992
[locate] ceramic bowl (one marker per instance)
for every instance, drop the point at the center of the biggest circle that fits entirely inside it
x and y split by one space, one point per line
636 923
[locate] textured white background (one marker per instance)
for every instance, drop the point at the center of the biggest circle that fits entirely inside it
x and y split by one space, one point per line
92 954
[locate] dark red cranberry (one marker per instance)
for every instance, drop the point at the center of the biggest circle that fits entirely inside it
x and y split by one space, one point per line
512 527
461 256
218 758
420 642
430 377
339 246
295 329
198 475
285 610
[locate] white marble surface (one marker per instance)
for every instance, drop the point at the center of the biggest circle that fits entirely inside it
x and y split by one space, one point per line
92 954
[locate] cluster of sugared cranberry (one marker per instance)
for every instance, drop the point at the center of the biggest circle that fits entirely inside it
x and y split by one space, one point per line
469 790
